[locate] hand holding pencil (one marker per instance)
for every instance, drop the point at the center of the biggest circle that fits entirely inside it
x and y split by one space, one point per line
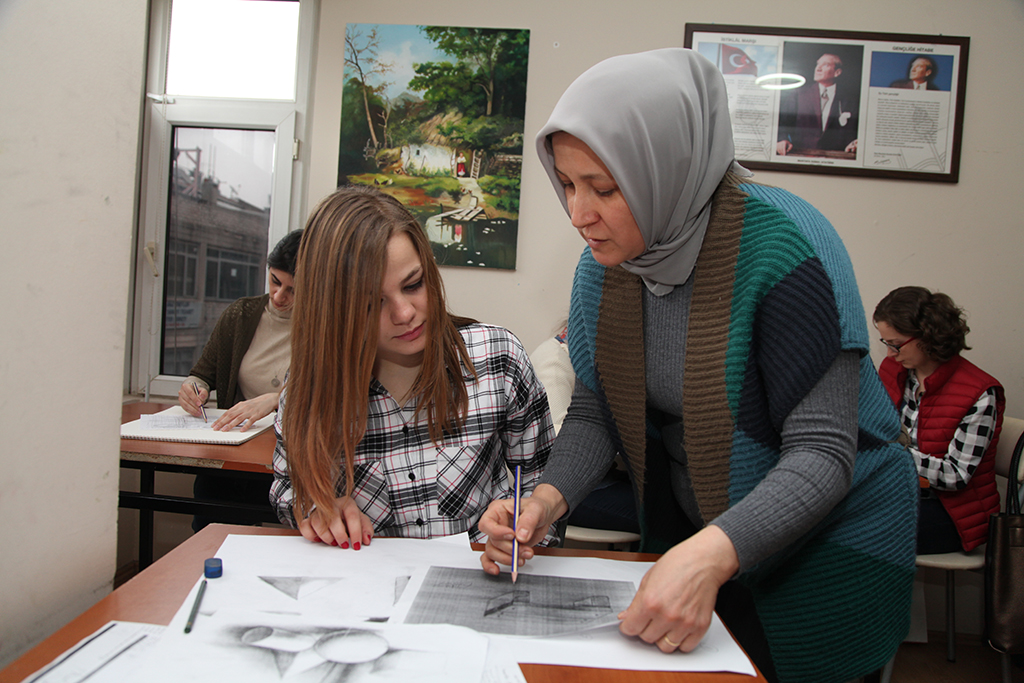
535 515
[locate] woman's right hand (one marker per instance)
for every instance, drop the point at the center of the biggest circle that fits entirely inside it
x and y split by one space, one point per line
537 513
190 401
349 526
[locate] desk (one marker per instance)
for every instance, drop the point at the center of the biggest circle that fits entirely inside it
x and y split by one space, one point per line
154 596
252 459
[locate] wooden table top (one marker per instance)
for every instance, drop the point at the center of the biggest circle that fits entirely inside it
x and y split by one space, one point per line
155 595
255 455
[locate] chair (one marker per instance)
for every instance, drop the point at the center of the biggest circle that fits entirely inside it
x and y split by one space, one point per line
1013 430
612 538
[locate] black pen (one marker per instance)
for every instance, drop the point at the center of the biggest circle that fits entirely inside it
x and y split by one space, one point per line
195 607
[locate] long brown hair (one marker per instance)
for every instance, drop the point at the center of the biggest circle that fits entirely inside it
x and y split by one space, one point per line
335 328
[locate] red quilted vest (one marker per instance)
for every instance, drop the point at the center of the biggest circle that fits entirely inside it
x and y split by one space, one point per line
949 392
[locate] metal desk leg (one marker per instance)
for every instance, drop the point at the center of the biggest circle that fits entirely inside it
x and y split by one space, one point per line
146 486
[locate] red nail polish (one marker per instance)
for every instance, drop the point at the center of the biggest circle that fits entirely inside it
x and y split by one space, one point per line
316 539
334 543
355 546
344 546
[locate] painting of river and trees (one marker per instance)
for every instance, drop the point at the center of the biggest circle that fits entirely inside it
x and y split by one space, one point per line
433 115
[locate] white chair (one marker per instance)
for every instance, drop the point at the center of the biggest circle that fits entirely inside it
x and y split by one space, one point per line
1013 429
609 537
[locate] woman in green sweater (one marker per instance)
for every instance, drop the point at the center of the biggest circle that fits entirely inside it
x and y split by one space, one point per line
720 344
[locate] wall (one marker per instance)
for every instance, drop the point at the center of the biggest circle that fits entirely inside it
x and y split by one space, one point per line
949 237
72 81
961 239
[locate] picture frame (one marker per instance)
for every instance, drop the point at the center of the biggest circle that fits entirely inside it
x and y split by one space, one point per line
893 103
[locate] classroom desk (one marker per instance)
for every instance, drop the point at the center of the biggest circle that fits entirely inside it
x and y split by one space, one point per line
251 459
156 594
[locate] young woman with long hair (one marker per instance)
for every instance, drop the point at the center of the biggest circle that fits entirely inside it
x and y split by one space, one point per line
399 418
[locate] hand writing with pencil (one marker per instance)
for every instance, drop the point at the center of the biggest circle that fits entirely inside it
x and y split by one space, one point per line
348 527
536 514
192 397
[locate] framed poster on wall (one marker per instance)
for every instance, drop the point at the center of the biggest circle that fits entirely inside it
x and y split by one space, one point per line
818 101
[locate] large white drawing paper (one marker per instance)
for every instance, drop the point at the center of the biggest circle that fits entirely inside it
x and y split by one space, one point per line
382 581
593 647
257 647
290 575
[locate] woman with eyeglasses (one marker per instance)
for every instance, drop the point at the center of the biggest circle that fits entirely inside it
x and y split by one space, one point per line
951 410
720 344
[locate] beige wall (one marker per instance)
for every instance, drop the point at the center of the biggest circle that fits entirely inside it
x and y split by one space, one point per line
69 119
957 238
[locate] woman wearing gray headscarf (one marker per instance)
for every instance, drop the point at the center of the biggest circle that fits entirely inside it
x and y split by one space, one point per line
720 344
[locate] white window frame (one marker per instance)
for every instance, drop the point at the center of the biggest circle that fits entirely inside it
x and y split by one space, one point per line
161 114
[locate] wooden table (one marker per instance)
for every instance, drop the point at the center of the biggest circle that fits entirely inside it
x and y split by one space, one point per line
155 595
252 459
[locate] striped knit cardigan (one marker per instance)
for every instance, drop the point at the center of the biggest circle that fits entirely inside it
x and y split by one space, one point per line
774 301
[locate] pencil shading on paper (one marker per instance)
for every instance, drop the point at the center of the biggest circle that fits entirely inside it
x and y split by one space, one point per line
536 605
256 647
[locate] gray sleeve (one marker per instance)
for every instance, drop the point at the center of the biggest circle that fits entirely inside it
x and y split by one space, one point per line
815 469
583 450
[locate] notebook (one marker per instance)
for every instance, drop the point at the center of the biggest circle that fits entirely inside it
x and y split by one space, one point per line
174 424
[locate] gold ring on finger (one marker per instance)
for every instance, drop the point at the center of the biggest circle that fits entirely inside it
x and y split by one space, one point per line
670 643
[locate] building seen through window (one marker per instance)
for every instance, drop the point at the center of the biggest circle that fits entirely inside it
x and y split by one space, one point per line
217 233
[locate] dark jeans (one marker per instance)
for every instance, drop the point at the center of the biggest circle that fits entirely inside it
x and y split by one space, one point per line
609 506
936 532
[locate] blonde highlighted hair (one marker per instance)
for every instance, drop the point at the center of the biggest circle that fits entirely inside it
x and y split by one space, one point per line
335 326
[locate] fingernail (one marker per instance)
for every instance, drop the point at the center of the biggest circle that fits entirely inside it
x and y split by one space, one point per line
316 539
333 542
344 546
355 546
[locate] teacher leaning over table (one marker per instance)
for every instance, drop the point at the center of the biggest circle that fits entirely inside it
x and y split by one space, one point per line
720 343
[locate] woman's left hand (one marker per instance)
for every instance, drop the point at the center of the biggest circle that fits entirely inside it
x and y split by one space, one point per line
247 412
676 599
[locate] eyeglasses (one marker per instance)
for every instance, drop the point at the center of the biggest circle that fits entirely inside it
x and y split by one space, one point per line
895 348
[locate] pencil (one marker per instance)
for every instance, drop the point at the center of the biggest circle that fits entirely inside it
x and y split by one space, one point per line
195 388
195 607
515 526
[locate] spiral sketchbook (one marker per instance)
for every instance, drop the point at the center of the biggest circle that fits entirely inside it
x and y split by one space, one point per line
174 424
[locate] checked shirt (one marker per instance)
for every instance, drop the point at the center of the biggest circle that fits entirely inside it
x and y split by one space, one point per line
970 441
412 488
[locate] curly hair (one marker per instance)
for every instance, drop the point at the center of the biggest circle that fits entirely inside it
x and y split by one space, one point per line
938 324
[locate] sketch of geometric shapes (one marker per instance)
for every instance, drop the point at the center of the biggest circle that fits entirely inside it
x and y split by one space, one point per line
504 601
400 583
299 587
351 646
537 606
286 646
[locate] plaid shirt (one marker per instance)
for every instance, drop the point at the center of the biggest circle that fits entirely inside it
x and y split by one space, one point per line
408 486
970 441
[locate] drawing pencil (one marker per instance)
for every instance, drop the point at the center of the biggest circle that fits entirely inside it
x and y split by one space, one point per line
195 388
195 607
515 525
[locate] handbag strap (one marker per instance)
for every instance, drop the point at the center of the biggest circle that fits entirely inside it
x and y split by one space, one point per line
1012 483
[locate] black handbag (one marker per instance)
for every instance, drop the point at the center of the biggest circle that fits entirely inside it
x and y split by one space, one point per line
1004 569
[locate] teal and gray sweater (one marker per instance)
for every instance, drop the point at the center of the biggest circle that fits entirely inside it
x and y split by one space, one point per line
773 305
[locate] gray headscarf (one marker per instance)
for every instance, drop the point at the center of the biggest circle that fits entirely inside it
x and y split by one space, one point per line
659 121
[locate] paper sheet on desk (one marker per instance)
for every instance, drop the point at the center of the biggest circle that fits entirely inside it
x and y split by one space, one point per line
251 646
110 655
388 562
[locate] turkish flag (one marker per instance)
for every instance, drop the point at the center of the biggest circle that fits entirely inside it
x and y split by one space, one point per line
736 61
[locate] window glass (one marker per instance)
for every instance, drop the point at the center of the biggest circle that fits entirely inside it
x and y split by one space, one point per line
217 233
233 48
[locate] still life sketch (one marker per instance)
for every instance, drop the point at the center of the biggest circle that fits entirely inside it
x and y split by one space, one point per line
256 646
537 605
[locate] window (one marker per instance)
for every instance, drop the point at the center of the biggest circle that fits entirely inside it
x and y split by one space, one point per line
227 91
